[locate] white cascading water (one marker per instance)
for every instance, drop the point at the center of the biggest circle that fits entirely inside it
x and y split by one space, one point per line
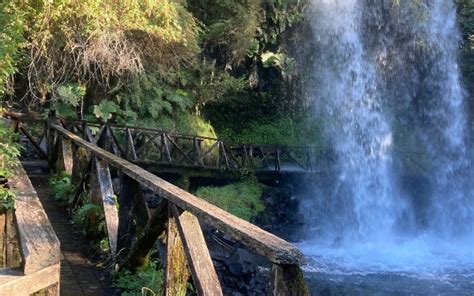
386 82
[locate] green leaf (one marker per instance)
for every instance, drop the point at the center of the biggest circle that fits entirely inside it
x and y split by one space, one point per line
71 93
105 110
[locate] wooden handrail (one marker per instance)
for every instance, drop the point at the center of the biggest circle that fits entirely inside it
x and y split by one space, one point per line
260 241
39 245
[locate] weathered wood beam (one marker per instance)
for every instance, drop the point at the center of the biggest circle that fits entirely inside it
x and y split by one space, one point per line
14 283
138 255
177 272
197 147
105 193
12 254
130 145
199 260
38 242
3 221
274 248
287 280
166 148
64 159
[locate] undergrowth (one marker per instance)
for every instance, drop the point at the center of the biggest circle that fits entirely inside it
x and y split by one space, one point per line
242 199
146 282
62 187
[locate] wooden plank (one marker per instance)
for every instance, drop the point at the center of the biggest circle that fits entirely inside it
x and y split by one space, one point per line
3 218
224 153
66 155
199 260
12 254
38 242
197 146
166 148
105 193
14 283
177 273
287 280
130 145
138 255
266 244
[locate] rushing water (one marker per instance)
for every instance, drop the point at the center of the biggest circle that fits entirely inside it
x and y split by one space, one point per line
395 213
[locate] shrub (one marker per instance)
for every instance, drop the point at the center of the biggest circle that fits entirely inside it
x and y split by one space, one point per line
242 199
148 281
62 187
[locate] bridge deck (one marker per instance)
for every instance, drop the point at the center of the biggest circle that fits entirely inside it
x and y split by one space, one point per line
79 273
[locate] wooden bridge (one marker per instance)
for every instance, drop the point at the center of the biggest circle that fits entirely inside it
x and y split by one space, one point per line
161 152
96 160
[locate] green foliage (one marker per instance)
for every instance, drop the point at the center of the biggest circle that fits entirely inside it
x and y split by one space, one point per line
108 43
242 199
283 131
62 188
105 110
89 218
242 29
11 37
71 93
151 96
279 60
146 282
9 152
7 199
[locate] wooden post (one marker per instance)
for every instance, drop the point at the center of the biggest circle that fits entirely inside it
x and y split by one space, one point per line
138 255
64 161
197 147
199 260
80 164
130 146
287 280
102 193
177 273
51 136
166 148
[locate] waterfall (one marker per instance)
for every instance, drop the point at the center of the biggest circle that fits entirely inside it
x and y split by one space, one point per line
385 80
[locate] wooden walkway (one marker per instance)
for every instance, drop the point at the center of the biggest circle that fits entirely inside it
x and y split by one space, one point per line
79 273
94 160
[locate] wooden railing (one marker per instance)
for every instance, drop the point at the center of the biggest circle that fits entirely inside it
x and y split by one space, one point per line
38 245
146 145
95 159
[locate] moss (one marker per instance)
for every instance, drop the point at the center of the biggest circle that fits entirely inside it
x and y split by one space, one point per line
243 199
